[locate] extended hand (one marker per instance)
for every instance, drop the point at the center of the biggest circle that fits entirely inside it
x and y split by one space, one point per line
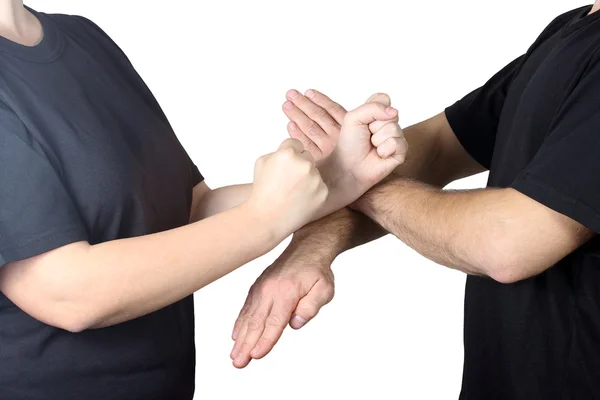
292 290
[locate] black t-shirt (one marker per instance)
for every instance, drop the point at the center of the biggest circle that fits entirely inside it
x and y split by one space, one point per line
536 126
86 154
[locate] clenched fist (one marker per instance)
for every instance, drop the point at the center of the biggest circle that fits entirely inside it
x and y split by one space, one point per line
371 145
288 189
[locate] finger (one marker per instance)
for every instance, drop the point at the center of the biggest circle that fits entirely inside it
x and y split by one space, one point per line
383 99
390 129
309 306
313 111
239 340
274 326
309 128
294 144
334 109
241 318
380 98
255 325
309 145
395 147
371 112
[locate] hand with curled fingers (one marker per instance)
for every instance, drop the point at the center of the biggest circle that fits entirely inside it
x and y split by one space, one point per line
356 149
370 146
288 189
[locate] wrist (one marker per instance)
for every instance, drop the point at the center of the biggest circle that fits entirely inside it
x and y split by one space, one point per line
264 223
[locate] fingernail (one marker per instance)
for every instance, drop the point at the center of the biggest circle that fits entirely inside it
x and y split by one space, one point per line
391 111
292 126
254 351
310 93
239 360
288 105
234 334
292 94
233 354
299 321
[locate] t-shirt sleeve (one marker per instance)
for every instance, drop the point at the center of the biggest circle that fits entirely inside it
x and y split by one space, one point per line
36 212
196 175
474 118
564 175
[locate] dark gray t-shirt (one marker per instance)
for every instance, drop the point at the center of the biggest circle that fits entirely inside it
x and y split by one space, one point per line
86 154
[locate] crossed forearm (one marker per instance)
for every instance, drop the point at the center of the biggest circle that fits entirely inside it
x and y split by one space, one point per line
347 228
452 228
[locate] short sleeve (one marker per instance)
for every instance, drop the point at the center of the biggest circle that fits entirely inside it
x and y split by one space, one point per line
196 175
36 213
564 175
474 118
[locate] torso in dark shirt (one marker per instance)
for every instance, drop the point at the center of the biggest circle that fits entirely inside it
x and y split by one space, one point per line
536 126
87 154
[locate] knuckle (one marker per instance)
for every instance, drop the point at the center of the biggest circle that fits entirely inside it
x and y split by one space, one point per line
328 293
335 108
273 321
260 162
312 129
321 114
286 153
254 323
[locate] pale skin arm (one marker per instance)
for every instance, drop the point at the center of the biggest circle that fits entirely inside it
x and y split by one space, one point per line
207 202
81 286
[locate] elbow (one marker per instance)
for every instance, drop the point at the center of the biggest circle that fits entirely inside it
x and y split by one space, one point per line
505 272
502 263
71 309
73 323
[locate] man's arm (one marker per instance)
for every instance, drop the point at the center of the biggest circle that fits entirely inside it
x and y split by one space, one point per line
435 157
499 233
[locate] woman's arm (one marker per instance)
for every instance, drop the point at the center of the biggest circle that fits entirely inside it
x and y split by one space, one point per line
80 286
207 202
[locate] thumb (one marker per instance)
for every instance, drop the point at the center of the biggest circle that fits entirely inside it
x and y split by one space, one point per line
309 306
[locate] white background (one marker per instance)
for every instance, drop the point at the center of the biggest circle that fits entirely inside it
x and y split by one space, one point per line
220 70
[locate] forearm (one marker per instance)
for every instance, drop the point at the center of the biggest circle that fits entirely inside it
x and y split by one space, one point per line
330 236
499 233
112 282
425 161
448 227
218 200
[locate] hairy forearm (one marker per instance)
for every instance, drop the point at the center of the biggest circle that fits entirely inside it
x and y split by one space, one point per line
82 286
330 236
425 161
499 233
447 227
